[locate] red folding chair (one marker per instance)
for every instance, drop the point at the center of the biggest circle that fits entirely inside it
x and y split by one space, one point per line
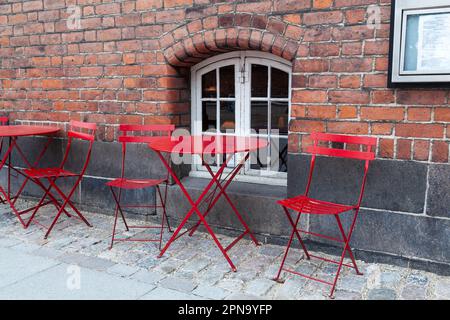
304 204
123 183
84 131
3 122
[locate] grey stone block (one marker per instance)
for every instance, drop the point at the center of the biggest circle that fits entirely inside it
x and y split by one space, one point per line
151 277
438 200
259 287
381 294
86 261
414 292
210 292
178 284
122 270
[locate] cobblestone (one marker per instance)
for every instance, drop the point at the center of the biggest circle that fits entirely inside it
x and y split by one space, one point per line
193 268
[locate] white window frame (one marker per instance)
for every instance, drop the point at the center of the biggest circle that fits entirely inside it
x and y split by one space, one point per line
242 61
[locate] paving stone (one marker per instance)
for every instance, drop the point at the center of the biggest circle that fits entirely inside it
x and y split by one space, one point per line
148 276
417 279
160 293
210 292
290 289
47 252
413 292
178 284
233 285
259 287
86 261
381 294
442 288
195 265
352 283
347 295
122 270
389 279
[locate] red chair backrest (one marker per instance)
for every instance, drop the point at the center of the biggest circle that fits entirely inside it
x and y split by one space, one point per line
148 134
77 127
3 121
160 129
368 143
83 131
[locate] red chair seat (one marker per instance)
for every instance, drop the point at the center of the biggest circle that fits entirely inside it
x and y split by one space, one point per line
39 173
134 183
313 206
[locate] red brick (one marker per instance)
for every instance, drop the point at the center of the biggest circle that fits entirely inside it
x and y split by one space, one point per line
348 127
382 113
348 97
419 114
347 112
351 82
442 114
328 17
421 150
419 130
322 82
307 126
351 64
322 112
177 3
421 97
307 96
322 4
324 49
386 148
439 151
404 149
109 8
289 5
148 4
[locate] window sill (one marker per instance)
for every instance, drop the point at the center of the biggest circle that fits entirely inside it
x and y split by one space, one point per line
241 188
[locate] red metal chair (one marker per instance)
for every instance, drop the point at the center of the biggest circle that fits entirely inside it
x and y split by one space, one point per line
3 122
130 184
78 130
304 204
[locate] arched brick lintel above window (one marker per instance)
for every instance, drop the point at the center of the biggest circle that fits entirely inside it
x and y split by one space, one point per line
193 48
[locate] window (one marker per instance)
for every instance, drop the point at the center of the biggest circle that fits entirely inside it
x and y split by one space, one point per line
245 93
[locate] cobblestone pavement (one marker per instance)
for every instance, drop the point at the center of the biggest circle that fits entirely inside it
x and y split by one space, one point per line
192 268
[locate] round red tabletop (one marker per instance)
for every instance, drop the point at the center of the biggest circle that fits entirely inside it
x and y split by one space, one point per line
26 130
207 144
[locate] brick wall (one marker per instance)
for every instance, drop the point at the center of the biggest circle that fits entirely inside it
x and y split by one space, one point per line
127 61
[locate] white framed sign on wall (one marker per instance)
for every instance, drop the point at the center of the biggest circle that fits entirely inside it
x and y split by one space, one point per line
420 43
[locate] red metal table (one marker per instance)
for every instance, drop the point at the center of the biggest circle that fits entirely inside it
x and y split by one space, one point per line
227 146
13 132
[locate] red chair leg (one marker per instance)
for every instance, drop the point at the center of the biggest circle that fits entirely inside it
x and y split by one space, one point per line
116 215
349 250
346 249
294 230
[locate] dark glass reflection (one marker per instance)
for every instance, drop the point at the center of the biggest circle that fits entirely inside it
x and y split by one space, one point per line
279 116
227 118
209 115
226 75
259 112
209 85
279 84
259 80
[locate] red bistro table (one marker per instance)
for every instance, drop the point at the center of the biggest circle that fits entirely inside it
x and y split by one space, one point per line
203 146
13 132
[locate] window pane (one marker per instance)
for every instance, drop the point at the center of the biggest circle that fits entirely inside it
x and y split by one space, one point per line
279 84
259 80
259 113
209 115
227 119
279 117
279 154
209 86
227 82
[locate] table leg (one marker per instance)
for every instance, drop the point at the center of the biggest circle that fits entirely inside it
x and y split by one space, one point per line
6 193
194 209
